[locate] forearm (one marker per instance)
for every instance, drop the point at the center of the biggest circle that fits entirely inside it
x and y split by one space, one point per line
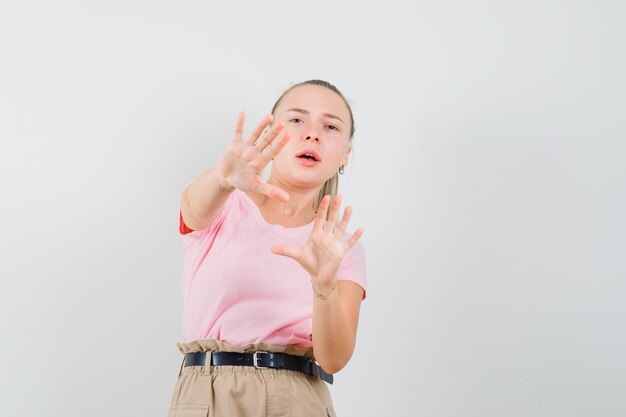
207 194
333 340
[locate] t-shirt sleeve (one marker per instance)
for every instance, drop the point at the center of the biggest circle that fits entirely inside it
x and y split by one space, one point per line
353 267
182 227
198 243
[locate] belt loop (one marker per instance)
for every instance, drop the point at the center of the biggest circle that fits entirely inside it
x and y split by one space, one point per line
316 369
207 362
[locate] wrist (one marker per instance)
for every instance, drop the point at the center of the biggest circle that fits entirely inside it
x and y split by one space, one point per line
324 290
224 185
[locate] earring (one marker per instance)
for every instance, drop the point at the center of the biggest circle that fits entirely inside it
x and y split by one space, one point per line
341 170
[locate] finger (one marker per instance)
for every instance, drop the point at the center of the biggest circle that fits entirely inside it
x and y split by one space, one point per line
272 191
276 146
239 126
280 143
285 250
333 215
320 217
252 153
354 238
259 129
269 137
343 224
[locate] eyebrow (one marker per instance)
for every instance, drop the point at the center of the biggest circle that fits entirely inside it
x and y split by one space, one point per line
332 116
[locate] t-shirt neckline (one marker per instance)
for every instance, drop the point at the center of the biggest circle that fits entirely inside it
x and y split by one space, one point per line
276 227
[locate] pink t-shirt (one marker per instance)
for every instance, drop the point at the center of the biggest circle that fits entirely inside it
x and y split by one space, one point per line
237 291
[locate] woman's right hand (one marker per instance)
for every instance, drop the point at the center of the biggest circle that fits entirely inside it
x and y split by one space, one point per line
243 163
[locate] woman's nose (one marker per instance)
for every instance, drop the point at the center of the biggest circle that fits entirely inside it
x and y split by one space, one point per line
313 136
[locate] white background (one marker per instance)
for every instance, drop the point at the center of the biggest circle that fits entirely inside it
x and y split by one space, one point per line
488 173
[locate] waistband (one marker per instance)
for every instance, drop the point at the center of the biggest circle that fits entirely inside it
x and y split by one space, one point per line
208 345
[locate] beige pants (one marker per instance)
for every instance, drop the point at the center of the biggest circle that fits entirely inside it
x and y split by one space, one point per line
245 391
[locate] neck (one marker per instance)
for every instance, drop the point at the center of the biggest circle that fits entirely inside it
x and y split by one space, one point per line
300 204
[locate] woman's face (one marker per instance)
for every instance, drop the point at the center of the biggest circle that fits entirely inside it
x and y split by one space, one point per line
319 123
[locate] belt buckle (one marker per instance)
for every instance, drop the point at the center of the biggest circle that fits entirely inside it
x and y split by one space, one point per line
255 359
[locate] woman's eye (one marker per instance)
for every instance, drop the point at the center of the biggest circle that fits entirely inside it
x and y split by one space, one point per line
296 119
333 127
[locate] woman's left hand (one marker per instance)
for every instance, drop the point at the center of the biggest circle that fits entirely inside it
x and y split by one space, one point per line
322 253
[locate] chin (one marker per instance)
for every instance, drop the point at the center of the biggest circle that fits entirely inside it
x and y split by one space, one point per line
302 177
305 183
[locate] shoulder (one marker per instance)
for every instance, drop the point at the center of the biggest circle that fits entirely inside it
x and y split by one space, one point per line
357 251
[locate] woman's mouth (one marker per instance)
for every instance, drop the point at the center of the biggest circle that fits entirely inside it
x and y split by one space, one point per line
307 160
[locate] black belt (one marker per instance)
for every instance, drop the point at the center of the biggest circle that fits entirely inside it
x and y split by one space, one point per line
260 359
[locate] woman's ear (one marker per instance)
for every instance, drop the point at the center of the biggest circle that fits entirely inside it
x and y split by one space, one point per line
344 161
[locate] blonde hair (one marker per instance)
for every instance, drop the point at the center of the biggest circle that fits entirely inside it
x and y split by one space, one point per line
331 186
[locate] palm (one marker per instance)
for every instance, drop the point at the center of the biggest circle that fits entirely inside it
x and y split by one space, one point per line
323 252
245 175
243 163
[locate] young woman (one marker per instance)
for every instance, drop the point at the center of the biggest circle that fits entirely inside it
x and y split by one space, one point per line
272 282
